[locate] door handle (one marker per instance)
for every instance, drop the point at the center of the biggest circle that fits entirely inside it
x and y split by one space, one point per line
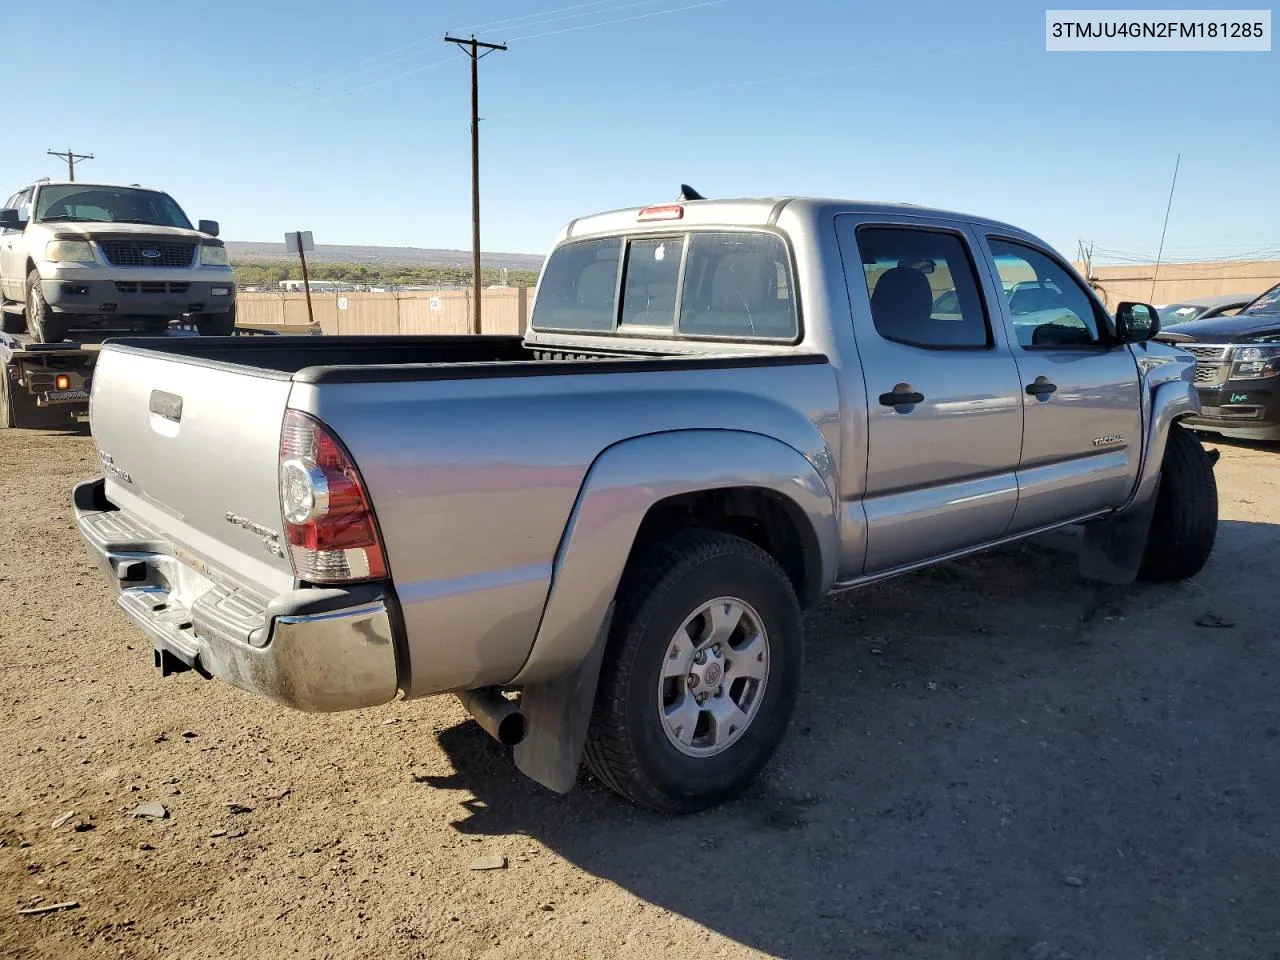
1041 387
902 396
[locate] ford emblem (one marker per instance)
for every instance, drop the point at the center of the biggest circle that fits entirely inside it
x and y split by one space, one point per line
151 253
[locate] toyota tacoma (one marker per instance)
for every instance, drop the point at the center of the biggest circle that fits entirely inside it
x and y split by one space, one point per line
601 536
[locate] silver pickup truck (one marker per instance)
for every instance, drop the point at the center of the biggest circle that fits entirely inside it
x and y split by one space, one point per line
601 536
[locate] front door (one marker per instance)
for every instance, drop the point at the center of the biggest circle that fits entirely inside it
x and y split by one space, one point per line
11 258
943 396
1080 392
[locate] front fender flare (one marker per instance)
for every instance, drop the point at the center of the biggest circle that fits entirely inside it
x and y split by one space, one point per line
618 491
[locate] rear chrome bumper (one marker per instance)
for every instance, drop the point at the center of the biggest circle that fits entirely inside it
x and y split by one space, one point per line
315 650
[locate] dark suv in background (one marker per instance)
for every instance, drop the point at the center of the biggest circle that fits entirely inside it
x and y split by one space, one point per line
1237 369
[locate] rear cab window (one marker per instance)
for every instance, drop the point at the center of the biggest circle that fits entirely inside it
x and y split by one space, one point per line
721 284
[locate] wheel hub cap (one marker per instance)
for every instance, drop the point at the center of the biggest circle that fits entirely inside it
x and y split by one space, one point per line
713 679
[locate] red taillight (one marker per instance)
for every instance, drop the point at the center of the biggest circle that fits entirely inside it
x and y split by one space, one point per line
328 522
669 211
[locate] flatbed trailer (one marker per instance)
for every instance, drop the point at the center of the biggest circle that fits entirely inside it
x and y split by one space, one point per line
45 386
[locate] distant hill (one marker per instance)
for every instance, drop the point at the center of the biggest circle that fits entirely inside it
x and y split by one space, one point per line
243 250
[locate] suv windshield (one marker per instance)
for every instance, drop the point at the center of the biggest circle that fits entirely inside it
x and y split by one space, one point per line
1269 302
70 202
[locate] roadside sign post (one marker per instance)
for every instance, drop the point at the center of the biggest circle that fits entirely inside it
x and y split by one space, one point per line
299 242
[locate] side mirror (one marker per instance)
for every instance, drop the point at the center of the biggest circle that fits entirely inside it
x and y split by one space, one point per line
1136 322
208 226
9 219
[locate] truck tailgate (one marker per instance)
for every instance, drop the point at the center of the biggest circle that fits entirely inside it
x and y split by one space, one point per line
191 449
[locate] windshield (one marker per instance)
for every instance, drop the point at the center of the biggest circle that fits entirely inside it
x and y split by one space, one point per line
1269 302
73 202
1179 313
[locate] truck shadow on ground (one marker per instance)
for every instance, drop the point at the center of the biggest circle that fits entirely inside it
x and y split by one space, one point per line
991 759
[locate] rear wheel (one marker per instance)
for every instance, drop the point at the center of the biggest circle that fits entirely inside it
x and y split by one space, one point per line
12 321
6 400
1185 523
701 674
45 325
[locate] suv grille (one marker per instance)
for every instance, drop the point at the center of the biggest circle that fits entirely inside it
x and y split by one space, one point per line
1207 373
128 253
1205 353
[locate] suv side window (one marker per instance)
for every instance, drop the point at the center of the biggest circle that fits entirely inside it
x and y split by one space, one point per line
24 205
923 287
1048 306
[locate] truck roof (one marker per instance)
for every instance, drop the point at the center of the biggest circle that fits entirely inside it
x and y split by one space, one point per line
756 212
91 183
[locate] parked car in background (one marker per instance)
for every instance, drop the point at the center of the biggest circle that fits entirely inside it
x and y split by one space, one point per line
1237 369
1203 308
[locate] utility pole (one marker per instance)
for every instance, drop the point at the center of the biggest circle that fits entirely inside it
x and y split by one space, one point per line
71 159
472 47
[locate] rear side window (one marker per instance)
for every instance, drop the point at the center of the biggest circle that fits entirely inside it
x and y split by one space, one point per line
738 285
579 287
923 288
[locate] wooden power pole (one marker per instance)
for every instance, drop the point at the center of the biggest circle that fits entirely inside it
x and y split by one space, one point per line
71 159
472 47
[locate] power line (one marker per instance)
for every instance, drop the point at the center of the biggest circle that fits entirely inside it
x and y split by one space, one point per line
1165 229
472 47
608 23
71 159
522 22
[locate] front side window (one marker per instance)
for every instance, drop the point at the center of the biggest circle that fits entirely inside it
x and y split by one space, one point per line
579 287
1048 306
923 288
23 204
75 202
738 285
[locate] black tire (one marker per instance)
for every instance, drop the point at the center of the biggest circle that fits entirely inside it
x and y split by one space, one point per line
216 324
627 747
6 400
12 322
45 325
1185 523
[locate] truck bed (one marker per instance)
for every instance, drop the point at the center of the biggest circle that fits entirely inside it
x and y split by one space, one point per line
368 359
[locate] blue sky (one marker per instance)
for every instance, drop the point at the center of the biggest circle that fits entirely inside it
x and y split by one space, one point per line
353 120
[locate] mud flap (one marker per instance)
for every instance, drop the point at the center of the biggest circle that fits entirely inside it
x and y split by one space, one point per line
1113 548
558 712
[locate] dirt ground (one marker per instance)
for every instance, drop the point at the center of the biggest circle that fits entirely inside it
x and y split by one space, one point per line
992 759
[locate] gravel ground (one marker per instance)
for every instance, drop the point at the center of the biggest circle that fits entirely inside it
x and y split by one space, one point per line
992 760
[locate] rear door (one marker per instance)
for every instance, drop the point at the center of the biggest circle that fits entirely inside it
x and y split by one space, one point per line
1080 392
942 390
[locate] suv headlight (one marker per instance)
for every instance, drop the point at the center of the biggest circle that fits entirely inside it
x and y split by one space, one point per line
69 251
213 255
1254 363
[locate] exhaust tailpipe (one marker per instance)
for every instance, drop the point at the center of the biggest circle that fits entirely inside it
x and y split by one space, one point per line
498 716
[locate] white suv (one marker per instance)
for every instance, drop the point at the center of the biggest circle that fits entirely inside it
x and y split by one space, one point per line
92 256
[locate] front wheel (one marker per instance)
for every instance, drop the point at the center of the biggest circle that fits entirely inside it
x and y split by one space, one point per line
700 676
1185 522
43 324
216 324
